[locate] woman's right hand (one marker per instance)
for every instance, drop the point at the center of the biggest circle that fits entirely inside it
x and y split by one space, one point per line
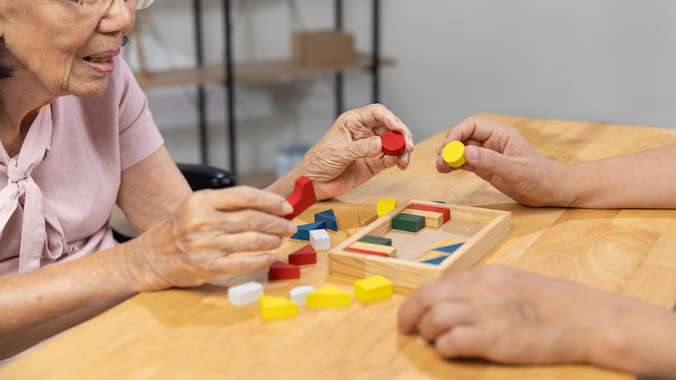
195 244
501 155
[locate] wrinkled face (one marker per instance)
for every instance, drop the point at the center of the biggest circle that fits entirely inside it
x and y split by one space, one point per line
64 47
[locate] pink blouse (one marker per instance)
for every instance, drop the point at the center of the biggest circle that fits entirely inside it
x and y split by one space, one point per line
57 194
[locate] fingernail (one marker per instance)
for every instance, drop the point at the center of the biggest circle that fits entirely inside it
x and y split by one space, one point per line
287 208
375 144
471 152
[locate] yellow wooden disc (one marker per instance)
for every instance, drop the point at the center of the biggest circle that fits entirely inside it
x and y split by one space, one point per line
454 154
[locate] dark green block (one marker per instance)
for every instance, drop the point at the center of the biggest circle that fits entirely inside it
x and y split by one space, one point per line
406 222
376 240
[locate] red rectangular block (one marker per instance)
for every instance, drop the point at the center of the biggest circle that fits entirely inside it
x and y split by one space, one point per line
355 250
445 211
283 271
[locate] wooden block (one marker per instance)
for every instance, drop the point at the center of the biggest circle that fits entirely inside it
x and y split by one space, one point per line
351 231
366 218
328 217
372 288
445 211
356 250
385 202
299 293
376 240
275 307
389 250
303 196
432 219
328 295
304 256
393 143
320 239
449 248
446 242
245 294
405 222
433 253
283 271
436 261
303 232
384 210
454 154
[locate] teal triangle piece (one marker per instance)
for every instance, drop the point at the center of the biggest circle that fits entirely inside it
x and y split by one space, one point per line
448 248
436 261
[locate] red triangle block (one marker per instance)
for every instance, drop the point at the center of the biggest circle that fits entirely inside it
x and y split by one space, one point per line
303 256
283 271
303 196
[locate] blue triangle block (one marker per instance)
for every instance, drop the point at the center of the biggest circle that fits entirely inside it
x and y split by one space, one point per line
304 230
328 217
448 248
436 261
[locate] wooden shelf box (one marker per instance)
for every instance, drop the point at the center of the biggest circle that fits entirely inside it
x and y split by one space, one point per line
480 229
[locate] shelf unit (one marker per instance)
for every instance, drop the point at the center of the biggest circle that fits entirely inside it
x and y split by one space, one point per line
257 71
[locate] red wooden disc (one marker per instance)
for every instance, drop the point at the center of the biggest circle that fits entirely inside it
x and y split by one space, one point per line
393 143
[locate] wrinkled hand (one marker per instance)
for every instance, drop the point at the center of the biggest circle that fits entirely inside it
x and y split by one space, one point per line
194 245
351 151
508 316
500 155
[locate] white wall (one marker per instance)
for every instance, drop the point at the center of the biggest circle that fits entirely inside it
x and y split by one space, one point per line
602 60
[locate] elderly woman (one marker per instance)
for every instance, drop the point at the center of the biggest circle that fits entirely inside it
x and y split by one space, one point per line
77 137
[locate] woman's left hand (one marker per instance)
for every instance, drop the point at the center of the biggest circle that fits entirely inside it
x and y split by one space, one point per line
351 151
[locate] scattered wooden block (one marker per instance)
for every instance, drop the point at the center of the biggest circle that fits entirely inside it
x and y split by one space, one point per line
454 154
283 271
245 294
276 307
328 295
304 256
302 197
299 293
351 231
432 219
385 206
445 211
373 288
436 261
389 250
393 143
329 218
405 222
366 218
320 239
303 232
376 240
356 250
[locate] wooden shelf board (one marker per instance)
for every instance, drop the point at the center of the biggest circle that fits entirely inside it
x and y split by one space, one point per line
247 72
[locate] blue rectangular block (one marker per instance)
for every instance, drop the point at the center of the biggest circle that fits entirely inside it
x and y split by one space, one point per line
304 230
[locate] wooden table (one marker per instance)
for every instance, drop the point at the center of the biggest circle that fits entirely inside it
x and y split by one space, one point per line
196 333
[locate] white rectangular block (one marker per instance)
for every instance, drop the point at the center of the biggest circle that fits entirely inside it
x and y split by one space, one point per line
299 293
320 239
245 294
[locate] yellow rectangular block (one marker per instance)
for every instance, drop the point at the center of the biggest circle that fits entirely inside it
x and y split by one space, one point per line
432 219
328 295
383 210
384 202
275 307
373 288
387 249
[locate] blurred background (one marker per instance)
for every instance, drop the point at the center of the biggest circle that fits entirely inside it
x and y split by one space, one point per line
611 61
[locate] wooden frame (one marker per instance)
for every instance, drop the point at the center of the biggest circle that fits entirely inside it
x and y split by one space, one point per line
411 274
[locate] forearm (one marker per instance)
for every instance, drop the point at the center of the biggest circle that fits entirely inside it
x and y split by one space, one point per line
640 180
38 305
284 185
640 339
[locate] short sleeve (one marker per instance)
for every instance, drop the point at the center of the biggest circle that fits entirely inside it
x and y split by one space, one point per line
139 136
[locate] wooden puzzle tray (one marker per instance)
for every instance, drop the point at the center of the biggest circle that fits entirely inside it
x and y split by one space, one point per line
471 233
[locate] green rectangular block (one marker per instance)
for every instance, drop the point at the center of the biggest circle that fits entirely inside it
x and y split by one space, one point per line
376 240
406 222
